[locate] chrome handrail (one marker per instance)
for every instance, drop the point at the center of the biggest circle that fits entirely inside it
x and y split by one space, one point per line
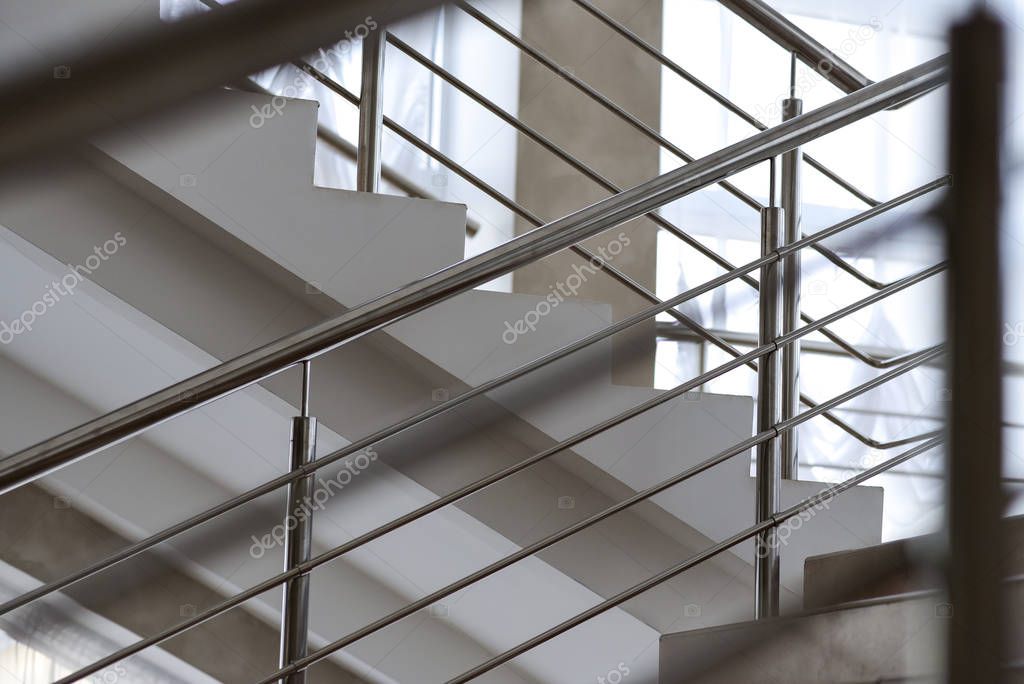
127 421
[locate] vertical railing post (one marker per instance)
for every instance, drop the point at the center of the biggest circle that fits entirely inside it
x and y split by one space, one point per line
791 162
975 495
766 579
371 112
298 540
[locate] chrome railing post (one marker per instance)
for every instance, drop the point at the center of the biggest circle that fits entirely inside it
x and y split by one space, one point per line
976 497
791 267
766 579
298 540
371 112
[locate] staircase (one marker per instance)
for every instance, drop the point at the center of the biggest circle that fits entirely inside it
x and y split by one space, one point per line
492 491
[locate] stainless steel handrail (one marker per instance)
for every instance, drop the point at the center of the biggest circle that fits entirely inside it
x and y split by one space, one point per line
392 430
487 481
276 356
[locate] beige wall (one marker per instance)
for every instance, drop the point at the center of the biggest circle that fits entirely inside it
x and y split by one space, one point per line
612 147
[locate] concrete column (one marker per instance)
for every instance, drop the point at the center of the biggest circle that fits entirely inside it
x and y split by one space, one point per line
550 188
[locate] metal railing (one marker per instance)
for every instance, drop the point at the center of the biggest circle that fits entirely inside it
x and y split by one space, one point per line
781 244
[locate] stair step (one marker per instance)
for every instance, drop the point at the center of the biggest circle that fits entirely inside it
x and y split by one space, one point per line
887 639
894 561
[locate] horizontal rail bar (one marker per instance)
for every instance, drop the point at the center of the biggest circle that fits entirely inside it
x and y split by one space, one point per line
556 537
707 554
498 476
256 365
677 333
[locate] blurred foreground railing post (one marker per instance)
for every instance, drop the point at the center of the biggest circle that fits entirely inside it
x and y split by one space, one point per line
298 547
975 497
